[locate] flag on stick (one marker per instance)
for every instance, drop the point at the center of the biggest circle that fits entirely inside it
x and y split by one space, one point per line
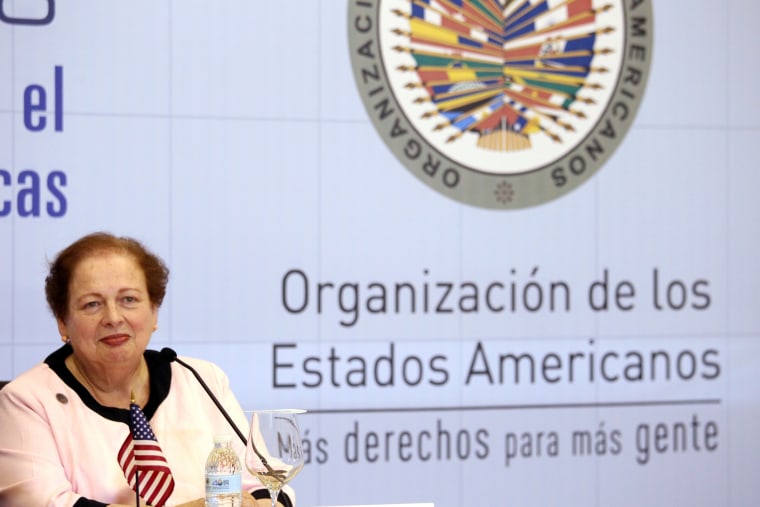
141 452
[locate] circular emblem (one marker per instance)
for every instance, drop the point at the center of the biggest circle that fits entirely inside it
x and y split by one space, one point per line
501 104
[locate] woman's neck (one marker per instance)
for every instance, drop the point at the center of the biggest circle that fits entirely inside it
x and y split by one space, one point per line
113 387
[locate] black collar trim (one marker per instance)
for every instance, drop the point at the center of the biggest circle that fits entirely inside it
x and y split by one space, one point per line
159 371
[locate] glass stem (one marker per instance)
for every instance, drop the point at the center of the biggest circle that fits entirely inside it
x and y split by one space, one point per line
273 494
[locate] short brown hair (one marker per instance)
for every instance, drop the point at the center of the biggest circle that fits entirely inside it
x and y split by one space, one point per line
61 268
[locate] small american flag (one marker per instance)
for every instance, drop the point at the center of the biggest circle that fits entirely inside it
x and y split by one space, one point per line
141 452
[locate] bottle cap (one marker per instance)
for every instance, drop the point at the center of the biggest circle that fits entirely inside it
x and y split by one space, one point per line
223 439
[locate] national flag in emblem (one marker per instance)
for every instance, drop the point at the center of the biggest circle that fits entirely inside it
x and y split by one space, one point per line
140 456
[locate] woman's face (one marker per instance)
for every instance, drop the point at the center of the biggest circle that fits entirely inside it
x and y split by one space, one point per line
110 316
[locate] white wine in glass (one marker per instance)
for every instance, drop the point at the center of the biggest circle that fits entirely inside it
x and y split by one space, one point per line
274 452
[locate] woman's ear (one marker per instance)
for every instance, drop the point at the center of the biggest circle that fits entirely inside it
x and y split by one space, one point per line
155 317
63 331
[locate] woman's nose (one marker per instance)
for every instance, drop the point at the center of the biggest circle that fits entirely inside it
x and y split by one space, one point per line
112 314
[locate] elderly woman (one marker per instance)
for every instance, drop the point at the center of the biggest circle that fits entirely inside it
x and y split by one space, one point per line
66 422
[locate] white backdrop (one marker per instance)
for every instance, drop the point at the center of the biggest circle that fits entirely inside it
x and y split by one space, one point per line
230 138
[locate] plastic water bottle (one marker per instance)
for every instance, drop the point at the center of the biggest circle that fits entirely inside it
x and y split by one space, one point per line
223 481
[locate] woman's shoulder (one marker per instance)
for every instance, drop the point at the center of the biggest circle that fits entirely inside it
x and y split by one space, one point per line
36 383
184 369
38 377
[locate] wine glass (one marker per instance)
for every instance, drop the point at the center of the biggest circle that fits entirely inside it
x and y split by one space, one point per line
274 452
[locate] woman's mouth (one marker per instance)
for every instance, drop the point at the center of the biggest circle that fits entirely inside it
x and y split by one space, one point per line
115 340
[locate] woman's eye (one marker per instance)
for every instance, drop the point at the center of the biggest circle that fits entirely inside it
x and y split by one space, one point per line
92 304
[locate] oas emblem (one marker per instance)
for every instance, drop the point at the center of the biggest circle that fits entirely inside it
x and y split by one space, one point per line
501 103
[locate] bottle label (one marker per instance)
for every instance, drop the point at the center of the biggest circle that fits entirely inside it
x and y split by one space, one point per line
223 484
